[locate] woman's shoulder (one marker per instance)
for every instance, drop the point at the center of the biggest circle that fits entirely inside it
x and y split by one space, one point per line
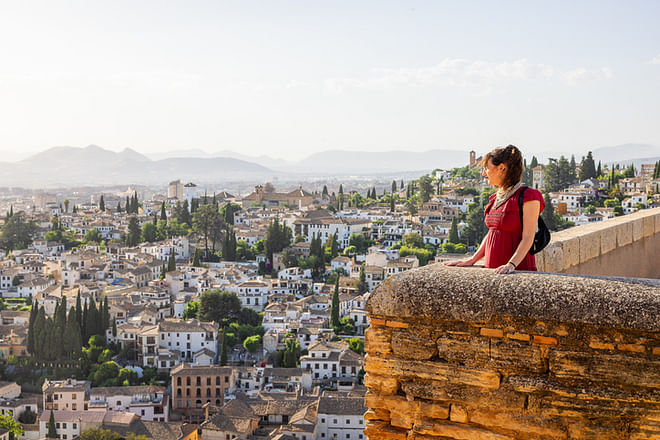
532 194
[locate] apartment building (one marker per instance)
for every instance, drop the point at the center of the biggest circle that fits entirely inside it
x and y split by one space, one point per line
193 386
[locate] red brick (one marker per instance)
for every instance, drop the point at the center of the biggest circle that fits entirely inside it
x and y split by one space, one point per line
518 336
601 346
376 321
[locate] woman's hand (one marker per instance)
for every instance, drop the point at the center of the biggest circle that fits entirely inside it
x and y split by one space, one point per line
506 269
460 263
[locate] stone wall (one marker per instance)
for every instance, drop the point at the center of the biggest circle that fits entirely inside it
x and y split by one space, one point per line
463 353
624 246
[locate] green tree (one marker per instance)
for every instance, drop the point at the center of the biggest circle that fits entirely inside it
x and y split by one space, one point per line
219 306
15 429
291 353
208 224
476 229
357 345
196 258
551 176
587 167
334 309
453 231
52 432
277 238
92 235
149 233
102 203
99 434
548 213
171 263
251 343
425 187
191 310
134 232
17 232
163 213
362 284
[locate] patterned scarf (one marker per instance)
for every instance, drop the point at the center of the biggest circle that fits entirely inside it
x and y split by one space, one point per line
504 194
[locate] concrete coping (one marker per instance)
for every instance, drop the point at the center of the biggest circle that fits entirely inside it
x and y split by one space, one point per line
477 295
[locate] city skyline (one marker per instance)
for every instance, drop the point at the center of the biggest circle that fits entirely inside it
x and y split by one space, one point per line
288 79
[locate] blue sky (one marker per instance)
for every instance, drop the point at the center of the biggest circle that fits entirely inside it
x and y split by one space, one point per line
288 78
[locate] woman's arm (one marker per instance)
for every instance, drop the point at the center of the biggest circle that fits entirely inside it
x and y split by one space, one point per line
475 258
531 211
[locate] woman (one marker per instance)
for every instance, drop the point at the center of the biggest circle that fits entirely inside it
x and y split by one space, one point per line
506 246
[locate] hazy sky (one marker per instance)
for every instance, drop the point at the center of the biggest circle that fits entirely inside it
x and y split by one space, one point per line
288 78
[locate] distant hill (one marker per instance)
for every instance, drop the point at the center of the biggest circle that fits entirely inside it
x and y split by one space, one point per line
626 152
93 165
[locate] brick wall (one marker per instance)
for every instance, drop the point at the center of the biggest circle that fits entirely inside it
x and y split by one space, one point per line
467 354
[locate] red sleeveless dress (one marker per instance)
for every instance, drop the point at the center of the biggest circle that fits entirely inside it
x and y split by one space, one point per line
505 230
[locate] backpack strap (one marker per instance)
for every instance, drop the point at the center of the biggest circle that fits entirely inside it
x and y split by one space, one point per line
520 205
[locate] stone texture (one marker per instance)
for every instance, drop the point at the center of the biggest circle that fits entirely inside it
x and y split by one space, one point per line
461 294
527 356
607 242
649 225
589 246
571 248
624 234
638 229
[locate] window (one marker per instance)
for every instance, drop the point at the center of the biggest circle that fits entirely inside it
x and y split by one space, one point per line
208 381
57 425
178 381
360 421
142 411
188 380
75 426
348 421
226 379
73 396
73 408
63 425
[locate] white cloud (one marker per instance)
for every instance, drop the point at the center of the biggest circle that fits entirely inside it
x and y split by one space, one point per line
655 60
479 76
582 74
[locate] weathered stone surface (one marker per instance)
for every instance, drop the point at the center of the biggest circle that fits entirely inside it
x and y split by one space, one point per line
427 370
414 343
624 233
615 369
607 242
589 246
649 226
637 229
527 356
456 431
520 425
437 292
570 252
382 384
378 340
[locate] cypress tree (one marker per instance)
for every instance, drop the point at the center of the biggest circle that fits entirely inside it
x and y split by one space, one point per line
163 214
118 209
363 280
72 342
453 231
392 203
196 262
92 323
52 432
171 263
39 327
30 339
114 328
163 271
11 211
325 191
84 331
102 204
548 213
105 316
401 184
393 186
128 205
334 310
599 170
78 309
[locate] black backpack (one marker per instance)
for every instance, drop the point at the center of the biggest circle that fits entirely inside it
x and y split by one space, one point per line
542 236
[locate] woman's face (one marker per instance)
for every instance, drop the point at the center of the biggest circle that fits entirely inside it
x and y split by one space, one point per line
494 173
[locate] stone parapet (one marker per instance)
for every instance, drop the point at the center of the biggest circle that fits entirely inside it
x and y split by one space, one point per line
464 353
577 250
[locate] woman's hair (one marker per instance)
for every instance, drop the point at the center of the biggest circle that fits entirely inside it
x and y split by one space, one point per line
512 158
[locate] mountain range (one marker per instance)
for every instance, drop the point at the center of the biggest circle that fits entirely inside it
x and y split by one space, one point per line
93 165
